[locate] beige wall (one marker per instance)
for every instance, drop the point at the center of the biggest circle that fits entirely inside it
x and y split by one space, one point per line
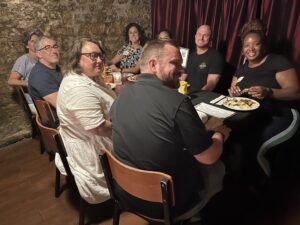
65 20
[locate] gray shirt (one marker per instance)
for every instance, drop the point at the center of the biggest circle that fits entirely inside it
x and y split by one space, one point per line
23 66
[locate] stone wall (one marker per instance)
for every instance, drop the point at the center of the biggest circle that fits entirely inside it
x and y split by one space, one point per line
65 20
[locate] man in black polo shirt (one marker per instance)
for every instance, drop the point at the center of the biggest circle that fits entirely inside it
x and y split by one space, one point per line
157 128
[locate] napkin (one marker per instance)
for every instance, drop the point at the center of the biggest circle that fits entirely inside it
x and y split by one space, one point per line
217 99
203 116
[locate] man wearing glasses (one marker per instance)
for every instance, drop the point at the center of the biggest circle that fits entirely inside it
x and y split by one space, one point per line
45 77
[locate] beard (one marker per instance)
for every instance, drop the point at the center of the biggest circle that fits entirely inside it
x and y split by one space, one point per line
171 82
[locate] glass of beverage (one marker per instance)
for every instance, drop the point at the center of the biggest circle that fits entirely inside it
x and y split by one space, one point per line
117 77
108 79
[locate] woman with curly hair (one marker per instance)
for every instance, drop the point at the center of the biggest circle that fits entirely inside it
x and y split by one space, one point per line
272 80
128 56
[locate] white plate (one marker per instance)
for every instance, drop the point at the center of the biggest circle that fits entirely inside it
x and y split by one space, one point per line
241 104
127 74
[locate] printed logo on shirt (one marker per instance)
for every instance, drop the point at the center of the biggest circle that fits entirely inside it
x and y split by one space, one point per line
202 66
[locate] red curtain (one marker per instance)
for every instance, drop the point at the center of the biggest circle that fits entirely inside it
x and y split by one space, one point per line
173 16
281 17
226 17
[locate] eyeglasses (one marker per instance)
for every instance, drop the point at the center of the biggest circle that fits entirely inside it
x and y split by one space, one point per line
94 55
49 47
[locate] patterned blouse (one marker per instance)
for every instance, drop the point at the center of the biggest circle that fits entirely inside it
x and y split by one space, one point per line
130 56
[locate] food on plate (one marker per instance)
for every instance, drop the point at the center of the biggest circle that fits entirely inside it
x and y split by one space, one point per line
241 103
133 78
245 91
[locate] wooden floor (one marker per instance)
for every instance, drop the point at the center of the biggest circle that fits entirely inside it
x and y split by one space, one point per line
27 197
27 190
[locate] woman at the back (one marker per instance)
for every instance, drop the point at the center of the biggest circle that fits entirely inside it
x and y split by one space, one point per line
128 56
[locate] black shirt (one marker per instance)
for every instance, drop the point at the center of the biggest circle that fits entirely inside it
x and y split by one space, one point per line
265 75
199 66
157 128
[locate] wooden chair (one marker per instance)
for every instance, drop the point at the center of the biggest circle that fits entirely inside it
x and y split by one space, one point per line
46 113
54 143
21 91
146 185
50 145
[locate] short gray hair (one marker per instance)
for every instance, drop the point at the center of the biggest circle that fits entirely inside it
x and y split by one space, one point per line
37 43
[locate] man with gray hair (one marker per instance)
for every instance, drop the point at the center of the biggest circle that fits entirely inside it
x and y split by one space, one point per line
45 77
166 133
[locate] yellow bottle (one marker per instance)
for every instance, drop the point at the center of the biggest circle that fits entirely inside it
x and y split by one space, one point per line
183 87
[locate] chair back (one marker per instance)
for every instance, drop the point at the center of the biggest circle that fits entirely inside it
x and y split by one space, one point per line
47 135
45 112
21 91
63 154
150 186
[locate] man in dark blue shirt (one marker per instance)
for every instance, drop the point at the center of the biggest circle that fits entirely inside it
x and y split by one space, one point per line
45 77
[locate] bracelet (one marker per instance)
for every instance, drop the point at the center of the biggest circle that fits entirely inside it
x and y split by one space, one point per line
223 135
